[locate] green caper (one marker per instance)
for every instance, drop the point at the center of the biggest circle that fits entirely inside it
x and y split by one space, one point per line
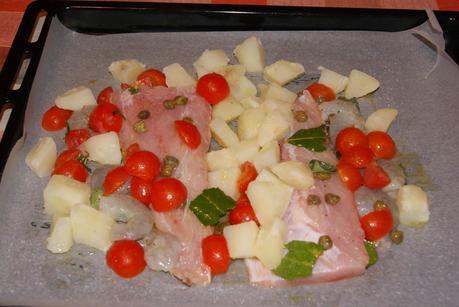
166 171
180 100
300 116
144 114
379 205
171 160
313 200
396 236
169 104
322 176
332 199
140 127
326 242
170 163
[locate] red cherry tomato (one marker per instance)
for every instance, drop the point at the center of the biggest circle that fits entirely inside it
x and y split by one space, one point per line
55 119
382 145
168 194
243 212
76 137
248 174
126 258
350 176
130 150
152 77
143 164
213 87
141 190
321 92
106 117
375 177
377 224
73 169
349 138
188 133
114 179
105 96
358 156
67 155
215 254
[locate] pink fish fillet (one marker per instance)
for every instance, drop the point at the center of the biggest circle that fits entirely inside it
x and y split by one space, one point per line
348 257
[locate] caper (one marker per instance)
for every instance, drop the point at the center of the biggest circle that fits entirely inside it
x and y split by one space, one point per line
379 205
166 171
300 116
169 104
322 176
171 160
140 127
396 236
313 200
332 199
144 114
169 165
180 100
326 242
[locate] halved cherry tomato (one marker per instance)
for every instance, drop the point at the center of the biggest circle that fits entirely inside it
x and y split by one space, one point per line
377 224
243 212
152 77
375 177
114 179
350 176
76 137
349 138
141 190
126 258
215 254
143 164
188 133
106 117
67 155
213 87
55 119
248 174
105 96
130 150
358 156
321 92
168 194
382 145
73 169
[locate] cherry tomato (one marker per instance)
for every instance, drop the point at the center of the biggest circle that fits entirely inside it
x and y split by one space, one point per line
375 177
106 117
115 179
358 156
248 174
350 176
126 258
105 96
152 77
215 254
188 133
213 87
141 190
321 92
76 137
130 150
349 138
382 145
55 119
377 224
67 155
73 169
243 212
143 164
168 194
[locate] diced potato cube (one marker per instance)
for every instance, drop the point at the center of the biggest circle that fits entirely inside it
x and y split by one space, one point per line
413 205
282 72
223 133
250 122
61 193
242 88
75 99
294 173
245 150
227 109
274 127
104 148
232 72
277 92
251 54
250 102
262 89
61 239
126 71
240 239
269 246
91 227
333 80
200 71
283 108
360 84
381 119
177 76
212 60
267 176
226 180
269 155
221 159
42 157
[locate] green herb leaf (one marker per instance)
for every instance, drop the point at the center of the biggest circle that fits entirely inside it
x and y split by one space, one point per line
134 90
299 261
372 253
312 139
318 166
211 205
95 198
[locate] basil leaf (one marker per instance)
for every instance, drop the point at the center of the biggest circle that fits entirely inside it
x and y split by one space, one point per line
312 139
372 253
299 261
318 166
94 199
211 205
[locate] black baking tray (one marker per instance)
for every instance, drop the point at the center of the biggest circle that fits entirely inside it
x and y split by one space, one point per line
100 18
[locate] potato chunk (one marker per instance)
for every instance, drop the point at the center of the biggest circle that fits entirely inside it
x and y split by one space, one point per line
268 155
242 88
226 180
282 72
251 54
294 173
277 92
42 156
250 122
211 61
360 84
177 76
245 150
104 148
269 245
75 99
126 71
227 109
381 119
274 127
333 80
240 239
223 133
413 205
221 159
61 239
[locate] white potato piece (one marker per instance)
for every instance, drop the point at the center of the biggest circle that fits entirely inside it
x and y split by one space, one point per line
91 227
284 108
61 193
294 173
76 98
104 148
240 239
60 239
232 72
360 84
223 133
42 156
227 109
269 246
268 155
267 176
277 92
250 122
211 60
126 71
262 89
200 71
250 102
413 205
333 80
381 119
221 159
282 72
274 127
226 180
242 88
245 150
177 76
251 54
